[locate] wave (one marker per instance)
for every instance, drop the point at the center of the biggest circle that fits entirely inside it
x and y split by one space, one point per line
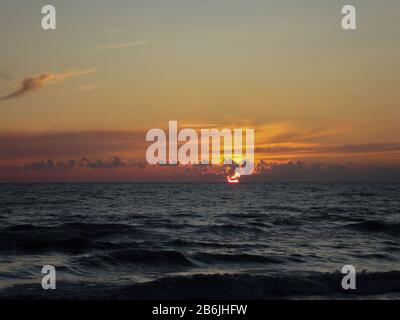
376 226
358 194
221 287
230 228
68 238
170 259
245 286
234 258
377 256
148 258
283 208
70 245
66 227
186 243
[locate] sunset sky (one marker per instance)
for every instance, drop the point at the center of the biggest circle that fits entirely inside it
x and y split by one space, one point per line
115 69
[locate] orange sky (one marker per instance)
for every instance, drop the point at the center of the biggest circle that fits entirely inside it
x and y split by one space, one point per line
93 88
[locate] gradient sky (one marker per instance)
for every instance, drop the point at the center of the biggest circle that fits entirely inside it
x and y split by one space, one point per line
312 91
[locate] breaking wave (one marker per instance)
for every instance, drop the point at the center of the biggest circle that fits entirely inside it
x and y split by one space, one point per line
222 286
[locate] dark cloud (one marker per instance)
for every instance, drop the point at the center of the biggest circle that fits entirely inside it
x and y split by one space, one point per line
108 170
364 148
99 144
70 144
300 171
349 148
92 149
28 84
112 163
34 83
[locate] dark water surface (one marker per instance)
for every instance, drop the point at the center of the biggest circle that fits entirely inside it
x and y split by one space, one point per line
178 240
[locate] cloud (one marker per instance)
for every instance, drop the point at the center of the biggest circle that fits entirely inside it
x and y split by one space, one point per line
122 45
72 74
103 143
117 169
317 149
204 125
65 145
87 88
113 163
327 172
28 84
35 83
283 132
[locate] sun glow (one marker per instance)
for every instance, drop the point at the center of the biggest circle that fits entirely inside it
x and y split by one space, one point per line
234 179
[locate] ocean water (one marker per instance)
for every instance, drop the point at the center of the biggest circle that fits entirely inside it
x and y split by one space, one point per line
200 240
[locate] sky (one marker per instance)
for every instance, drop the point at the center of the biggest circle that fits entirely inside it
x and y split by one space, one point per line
89 91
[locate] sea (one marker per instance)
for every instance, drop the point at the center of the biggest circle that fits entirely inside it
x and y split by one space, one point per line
255 241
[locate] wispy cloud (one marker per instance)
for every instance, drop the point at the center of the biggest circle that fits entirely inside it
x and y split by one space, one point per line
34 83
22 146
28 84
113 163
72 74
122 45
318 149
204 125
87 88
